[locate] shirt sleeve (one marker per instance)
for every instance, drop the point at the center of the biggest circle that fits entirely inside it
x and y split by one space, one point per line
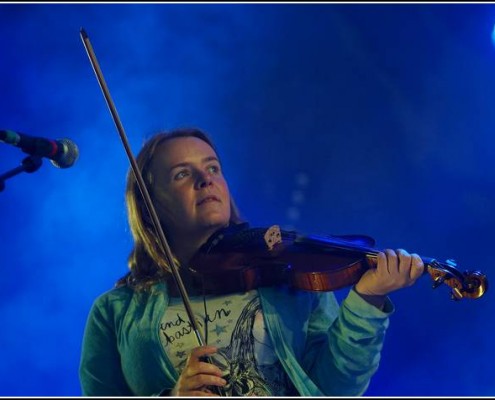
100 371
344 343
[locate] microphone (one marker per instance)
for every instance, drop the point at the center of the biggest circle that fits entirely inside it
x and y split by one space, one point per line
62 153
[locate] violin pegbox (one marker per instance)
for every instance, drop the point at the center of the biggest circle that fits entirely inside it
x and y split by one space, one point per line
470 284
272 236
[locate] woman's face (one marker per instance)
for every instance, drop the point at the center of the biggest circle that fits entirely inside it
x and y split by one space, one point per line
191 195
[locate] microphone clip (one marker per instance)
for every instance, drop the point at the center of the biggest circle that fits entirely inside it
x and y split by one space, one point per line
30 164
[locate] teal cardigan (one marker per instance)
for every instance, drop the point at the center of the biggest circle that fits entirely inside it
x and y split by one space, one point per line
325 349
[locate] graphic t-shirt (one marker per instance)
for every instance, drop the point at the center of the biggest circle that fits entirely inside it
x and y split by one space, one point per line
234 324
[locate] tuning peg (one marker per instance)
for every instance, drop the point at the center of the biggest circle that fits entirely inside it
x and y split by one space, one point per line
453 295
438 281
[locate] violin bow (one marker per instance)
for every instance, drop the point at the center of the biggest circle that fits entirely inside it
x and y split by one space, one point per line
144 191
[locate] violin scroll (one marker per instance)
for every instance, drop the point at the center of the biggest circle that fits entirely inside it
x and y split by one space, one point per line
470 284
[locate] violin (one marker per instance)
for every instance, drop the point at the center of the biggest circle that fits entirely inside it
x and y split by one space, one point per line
239 258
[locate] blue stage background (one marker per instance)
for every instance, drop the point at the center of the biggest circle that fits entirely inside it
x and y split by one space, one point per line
330 118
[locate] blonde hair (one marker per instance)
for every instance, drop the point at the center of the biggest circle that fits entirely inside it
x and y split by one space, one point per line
147 261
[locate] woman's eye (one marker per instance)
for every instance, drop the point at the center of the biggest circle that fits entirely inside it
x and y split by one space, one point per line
180 175
214 169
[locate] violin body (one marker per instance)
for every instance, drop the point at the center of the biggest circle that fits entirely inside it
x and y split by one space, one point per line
236 271
240 258
250 258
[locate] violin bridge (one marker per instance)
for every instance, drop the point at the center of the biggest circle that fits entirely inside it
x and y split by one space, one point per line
273 236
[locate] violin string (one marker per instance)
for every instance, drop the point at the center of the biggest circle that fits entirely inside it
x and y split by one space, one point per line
430 263
341 244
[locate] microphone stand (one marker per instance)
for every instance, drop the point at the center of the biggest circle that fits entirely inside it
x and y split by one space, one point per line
29 164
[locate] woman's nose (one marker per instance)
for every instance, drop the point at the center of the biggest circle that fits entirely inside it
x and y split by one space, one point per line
204 180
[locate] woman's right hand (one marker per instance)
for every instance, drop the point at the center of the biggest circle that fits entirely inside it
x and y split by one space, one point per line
198 375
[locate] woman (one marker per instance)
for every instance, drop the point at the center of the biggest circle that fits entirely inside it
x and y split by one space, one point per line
273 341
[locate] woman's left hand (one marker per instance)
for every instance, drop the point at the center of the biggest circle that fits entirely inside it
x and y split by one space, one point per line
394 270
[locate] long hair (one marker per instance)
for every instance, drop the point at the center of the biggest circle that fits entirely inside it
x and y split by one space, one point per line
147 262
